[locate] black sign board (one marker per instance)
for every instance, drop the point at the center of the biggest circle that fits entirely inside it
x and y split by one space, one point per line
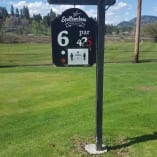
74 39
81 2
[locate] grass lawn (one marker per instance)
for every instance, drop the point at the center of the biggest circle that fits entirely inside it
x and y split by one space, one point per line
50 112
40 54
25 54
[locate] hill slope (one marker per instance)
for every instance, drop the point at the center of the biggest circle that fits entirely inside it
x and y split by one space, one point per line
145 19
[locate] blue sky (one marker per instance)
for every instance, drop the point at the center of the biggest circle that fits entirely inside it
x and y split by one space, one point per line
122 10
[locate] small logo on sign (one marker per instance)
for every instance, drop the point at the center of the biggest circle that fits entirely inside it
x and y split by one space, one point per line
74 20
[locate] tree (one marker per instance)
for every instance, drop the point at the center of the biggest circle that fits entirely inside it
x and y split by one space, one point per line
52 15
46 20
49 17
25 12
150 30
1 25
21 13
23 27
12 10
11 23
110 29
20 22
37 18
17 12
3 13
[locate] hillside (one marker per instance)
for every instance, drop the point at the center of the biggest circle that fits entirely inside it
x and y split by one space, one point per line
145 19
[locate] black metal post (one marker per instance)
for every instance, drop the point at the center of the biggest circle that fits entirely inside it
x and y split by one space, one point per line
100 73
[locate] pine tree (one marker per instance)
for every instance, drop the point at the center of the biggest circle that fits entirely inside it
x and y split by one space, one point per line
3 13
12 10
26 13
17 12
52 15
37 18
21 13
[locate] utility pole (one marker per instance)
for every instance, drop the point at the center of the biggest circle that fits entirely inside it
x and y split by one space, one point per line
137 35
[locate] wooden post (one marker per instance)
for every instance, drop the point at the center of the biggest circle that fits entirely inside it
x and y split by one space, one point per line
137 35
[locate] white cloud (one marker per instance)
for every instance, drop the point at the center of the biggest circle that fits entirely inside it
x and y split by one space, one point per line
119 6
112 14
42 7
155 9
34 7
20 4
117 13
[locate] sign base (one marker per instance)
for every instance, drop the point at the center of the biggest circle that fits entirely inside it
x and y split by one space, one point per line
91 149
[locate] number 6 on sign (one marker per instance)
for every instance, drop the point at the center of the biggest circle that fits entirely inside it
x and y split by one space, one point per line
62 39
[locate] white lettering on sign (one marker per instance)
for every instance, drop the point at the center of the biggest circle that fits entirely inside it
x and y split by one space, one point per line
62 38
84 33
78 57
81 42
74 20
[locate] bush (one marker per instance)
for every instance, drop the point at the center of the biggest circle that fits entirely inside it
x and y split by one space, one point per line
150 30
10 38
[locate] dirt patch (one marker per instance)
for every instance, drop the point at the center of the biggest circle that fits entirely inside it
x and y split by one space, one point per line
117 148
123 152
148 88
145 88
79 145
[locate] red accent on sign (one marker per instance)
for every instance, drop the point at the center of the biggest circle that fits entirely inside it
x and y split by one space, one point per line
63 60
89 42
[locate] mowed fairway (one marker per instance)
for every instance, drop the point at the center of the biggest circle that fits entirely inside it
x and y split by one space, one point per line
25 54
40 54
50 112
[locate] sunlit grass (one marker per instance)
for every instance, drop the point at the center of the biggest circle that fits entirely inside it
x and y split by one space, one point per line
50 112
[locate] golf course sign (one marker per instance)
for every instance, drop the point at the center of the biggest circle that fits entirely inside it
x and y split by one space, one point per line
74 37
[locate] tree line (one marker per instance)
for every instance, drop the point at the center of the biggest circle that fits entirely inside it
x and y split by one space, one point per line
20 22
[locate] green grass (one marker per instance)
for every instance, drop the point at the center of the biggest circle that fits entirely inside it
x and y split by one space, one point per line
25 54
124 51
50 112
39 54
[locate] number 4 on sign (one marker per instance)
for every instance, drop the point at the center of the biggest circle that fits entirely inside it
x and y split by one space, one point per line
82 41
79 42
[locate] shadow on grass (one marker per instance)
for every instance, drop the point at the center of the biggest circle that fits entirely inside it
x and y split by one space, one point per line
24 65
135 140
147 60
50 64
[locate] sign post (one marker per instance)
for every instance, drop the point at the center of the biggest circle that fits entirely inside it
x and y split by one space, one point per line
97 148
100 74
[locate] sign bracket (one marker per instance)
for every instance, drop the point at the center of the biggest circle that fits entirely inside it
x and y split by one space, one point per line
82 2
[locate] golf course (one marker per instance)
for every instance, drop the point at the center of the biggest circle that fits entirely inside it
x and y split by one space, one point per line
48 111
